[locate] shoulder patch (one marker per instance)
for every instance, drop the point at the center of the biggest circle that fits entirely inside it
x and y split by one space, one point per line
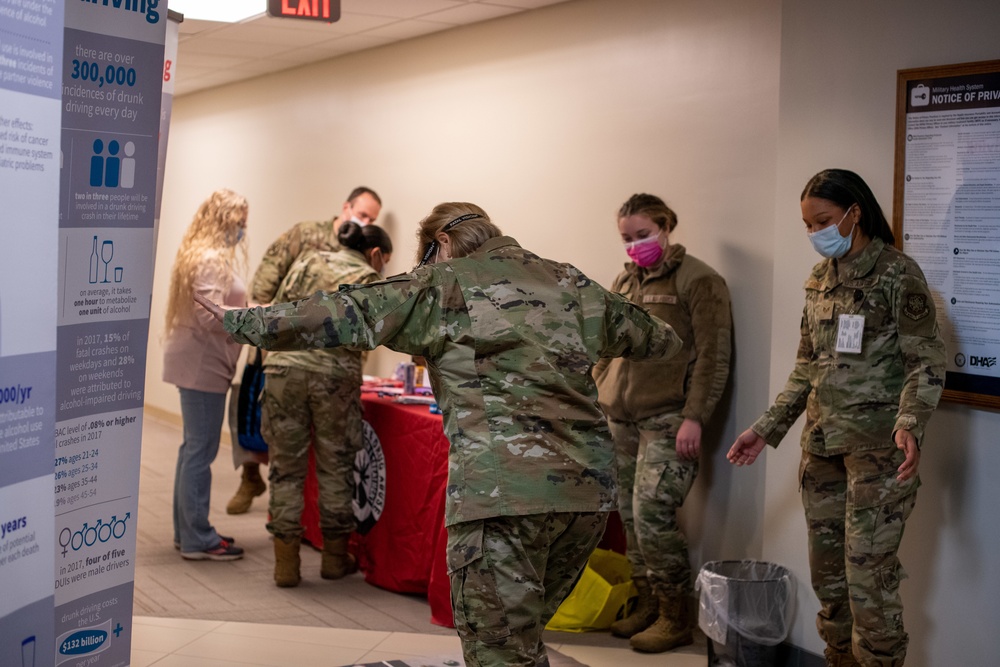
916 307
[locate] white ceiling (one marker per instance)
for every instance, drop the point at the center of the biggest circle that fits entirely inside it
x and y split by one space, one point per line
212 54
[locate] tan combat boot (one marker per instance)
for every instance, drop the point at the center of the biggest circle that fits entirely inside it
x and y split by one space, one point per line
337 562
672 628
286 562
251 486
836 658
645 613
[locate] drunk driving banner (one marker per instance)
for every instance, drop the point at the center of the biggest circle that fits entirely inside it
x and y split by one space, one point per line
111 94
31 51
80 85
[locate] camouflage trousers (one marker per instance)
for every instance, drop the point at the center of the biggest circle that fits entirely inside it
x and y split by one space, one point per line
508 577
855 514
301 409
653 483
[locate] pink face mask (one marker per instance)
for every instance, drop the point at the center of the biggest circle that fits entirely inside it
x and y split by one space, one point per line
645 252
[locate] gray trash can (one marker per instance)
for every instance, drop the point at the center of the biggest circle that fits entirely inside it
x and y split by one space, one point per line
745 611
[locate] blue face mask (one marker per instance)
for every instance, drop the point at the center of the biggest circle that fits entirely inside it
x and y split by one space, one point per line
234 240
829 243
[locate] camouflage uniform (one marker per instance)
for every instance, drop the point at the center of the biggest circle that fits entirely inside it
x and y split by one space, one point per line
510 574
283 252
313 397
272 270
510 340
854 403
646 404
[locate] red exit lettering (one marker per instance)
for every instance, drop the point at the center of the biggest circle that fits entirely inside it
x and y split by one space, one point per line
312 10
306 8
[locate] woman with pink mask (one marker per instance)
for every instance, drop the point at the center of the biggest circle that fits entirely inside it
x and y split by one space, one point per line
657 410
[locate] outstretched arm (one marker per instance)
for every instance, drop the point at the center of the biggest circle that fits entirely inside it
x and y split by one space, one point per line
746 448
217 311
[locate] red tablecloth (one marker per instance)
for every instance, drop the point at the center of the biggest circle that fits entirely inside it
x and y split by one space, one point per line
404 550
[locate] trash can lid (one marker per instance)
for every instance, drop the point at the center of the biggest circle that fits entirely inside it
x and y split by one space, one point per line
746 570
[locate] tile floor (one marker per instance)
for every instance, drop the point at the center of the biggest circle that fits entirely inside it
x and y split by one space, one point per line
165 642
195 614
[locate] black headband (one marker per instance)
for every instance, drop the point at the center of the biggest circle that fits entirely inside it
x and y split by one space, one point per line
434 244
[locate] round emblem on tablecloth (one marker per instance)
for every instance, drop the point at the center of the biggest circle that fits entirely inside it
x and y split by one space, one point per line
369 480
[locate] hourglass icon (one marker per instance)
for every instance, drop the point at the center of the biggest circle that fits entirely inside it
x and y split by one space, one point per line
107 251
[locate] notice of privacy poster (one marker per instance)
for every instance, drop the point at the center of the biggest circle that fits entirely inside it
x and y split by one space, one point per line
111 93
947 212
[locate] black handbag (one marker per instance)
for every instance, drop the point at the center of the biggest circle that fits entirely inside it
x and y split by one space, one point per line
248 406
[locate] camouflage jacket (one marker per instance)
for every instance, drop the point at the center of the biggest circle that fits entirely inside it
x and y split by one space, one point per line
280 255
510 340
316 270
691 297
856 401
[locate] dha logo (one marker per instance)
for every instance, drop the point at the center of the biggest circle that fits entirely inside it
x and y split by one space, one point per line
147 7
984 362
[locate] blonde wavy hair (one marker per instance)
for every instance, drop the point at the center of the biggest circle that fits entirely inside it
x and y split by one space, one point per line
465 237
208 240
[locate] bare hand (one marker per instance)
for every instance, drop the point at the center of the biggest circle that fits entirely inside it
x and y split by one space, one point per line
218 312
746 448
689 440
908 444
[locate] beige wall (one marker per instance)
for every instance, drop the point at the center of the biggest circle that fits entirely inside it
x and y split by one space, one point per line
549 120
838 78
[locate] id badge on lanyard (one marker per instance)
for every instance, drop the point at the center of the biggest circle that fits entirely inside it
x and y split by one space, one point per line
849 332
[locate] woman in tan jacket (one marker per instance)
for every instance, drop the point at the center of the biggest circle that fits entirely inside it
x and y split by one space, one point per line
656 411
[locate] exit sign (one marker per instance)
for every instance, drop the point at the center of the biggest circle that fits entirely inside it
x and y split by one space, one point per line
316 10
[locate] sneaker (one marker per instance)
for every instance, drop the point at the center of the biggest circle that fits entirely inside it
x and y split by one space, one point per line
231 540
225 551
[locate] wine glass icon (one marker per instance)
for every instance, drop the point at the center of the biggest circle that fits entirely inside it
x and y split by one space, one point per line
107 252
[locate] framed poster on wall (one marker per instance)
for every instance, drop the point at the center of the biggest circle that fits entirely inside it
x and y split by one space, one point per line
946 212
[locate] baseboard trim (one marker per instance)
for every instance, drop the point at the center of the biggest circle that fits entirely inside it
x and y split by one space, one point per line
745 651
174 419
793 656
161 415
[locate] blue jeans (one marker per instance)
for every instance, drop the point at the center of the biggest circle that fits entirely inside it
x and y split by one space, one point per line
202 413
